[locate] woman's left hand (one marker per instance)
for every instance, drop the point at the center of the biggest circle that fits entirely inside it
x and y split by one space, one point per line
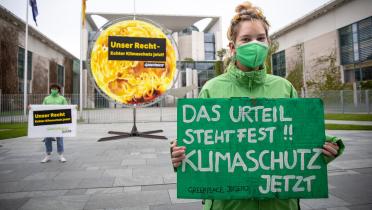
330 149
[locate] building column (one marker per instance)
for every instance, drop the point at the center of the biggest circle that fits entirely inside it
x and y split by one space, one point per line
189 81
195 83
178 82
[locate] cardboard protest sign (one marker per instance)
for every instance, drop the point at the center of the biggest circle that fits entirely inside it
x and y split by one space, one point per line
52 121
243 148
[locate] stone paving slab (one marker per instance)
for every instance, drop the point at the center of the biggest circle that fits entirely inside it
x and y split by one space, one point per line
58 203
178 206
12 203
136 173
128 199
102 182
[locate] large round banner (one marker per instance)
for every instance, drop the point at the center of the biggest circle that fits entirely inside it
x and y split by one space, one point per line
133 62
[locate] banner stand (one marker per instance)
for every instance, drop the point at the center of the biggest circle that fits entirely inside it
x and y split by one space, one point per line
147 50
133 133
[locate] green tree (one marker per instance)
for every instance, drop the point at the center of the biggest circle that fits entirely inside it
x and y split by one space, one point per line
295 75
188 59
329 72
218 68
221 53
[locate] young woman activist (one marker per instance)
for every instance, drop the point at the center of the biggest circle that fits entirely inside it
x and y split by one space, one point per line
55 98
246 77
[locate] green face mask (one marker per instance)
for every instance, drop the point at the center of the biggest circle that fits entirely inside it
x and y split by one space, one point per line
252 54
54 92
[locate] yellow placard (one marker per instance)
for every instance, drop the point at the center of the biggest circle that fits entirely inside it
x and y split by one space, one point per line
125 79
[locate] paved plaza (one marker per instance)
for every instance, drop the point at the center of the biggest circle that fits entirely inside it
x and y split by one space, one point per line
136 173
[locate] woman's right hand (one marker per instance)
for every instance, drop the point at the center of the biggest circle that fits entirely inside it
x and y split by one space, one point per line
178 154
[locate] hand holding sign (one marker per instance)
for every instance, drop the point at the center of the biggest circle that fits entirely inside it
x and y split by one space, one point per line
330 149
178 154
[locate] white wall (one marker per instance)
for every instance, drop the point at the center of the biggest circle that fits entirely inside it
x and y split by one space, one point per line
185 46
198 53
175 38
40 48
218 40
342 16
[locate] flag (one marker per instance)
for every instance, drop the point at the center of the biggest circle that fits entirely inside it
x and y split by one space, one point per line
83 7
34 9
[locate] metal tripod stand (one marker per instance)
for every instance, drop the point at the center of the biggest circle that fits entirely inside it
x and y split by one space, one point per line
134 132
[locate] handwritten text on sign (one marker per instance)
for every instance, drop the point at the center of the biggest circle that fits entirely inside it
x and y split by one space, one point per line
251 148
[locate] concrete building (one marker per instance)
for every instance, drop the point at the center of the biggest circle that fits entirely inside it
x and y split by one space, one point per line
47 61
336 36
197 47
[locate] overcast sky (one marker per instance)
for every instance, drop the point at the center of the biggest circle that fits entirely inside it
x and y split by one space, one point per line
60 19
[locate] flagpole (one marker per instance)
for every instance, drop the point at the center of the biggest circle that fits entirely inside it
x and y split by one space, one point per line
134 9
81 61
25 66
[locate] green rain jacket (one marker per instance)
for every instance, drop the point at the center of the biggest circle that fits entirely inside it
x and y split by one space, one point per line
254 84
55 100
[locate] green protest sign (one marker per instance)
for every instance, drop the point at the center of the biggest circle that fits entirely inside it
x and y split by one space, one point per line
243 148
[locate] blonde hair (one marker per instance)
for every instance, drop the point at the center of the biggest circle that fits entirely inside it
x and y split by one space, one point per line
245 11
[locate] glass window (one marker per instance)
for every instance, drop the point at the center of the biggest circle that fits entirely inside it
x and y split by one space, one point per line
91 35
60 75
188 30
20 86
346 45
21 63
182 65
367 73
183 76
209 47
278 60
204 65
348 75
358 75
356 42
202 77
363 74
356 52
190 65
205 71
199 65
209 37
365 39
209 56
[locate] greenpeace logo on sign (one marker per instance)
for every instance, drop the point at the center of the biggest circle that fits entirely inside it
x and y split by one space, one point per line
154 65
